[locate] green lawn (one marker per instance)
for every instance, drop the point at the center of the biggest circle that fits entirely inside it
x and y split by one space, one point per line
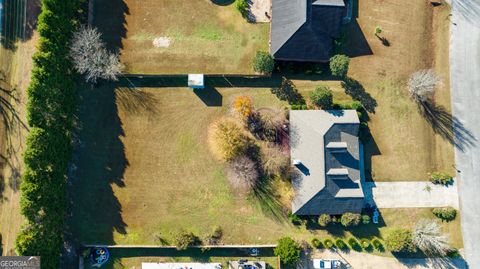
204 37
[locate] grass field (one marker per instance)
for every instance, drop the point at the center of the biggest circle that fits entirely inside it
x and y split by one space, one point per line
204 37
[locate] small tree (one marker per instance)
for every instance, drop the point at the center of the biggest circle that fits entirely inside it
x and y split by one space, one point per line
184 239
242 174
91 58
263 62
324 220
339 65
350 219
288 250
243 105
378 30
428 237
422 84
228 140
322 97
400 240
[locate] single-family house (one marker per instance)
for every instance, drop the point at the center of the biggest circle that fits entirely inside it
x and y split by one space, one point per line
326 154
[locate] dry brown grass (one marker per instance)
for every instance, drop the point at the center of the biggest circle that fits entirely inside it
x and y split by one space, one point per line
405 146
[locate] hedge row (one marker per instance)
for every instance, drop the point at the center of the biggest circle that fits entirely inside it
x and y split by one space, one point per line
52 99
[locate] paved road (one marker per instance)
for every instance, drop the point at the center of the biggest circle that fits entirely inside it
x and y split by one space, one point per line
465 84
410 194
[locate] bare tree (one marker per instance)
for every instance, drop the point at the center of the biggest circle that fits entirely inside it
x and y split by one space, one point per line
91 58
242 174
428 237
422 84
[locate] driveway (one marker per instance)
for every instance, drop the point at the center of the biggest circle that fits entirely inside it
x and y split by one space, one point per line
410 194
362 260
465 85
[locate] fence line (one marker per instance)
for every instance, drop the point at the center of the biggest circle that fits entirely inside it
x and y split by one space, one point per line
174 247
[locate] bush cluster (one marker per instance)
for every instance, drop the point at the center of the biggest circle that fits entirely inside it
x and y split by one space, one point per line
263 62
184 239
441 178
445 213
400 240
350 219
322 97
52 100
242 7
324 220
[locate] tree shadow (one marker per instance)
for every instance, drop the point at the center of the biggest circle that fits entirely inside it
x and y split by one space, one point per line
18 21
109 18
447 126
269 203
12 127
353 88
98 162
137 101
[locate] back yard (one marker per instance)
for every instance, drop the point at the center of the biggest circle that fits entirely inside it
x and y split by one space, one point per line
179 37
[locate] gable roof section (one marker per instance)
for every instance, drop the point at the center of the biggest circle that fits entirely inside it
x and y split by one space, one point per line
287 16
315 191
304 31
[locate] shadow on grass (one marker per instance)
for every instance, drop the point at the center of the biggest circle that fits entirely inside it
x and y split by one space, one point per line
109 18
447 126
19 20
223 2
98 163
353 88
12 127
264 196
136 101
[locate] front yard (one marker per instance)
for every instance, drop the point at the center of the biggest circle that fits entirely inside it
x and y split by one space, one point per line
180 37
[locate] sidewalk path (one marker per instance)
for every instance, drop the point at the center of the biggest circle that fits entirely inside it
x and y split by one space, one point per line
410 194
465 86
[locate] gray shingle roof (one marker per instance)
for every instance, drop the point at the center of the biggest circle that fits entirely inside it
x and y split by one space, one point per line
315 191
304 31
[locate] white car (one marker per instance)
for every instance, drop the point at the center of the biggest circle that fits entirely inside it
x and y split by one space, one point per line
321 264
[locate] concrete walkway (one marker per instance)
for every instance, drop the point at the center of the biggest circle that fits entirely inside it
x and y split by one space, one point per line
410 194
362 260
465 86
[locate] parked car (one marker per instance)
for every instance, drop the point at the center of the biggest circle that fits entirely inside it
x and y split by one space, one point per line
326 263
